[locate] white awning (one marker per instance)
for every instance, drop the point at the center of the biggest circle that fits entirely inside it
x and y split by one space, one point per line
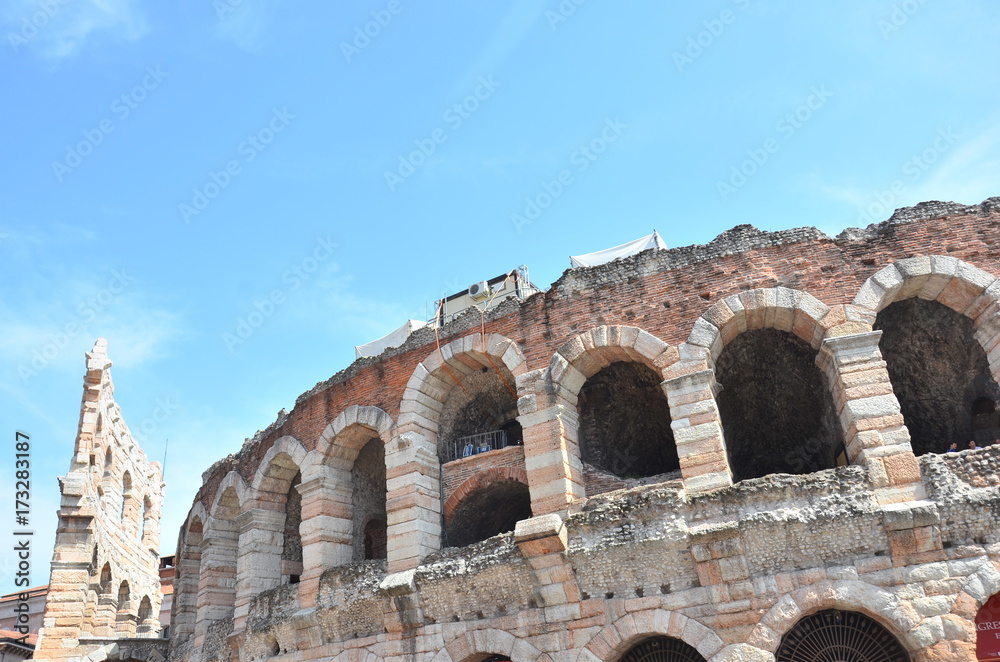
608 254
393 339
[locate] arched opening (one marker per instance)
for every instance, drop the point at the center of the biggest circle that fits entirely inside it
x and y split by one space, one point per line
125 622
488 511
108 462
145 531
480 413
368 502
940 375
777 412
145 608
625 422
105 581
291 544
662 649
123 596
988 630
126 497
841 636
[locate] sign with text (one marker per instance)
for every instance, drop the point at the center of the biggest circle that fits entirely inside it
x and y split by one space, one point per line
988 631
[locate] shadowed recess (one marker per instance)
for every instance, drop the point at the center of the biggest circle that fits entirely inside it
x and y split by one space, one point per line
625 422
489 511
777 413
940 375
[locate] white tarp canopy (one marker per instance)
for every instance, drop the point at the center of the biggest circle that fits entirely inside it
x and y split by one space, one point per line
608 254
394 339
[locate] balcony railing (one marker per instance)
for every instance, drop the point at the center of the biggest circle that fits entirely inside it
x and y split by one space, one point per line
474 444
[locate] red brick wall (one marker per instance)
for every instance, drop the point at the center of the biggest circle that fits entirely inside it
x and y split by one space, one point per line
662 292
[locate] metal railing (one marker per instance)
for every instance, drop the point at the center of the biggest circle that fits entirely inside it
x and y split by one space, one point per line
474 444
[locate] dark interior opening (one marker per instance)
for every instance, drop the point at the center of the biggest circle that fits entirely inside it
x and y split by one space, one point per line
489 511
940 375
625 422
777 412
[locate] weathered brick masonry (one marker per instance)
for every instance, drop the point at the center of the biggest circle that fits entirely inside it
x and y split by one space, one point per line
766 349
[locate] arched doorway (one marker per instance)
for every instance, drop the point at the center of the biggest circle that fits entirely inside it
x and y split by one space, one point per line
834 635
490 510
662 649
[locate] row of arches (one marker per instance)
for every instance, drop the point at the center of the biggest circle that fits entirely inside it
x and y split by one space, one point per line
111 609
615 398
116 492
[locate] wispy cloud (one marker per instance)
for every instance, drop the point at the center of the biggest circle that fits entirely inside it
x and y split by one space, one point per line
61 28
969 173
244 22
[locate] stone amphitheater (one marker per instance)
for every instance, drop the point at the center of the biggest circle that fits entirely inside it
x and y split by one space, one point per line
729 452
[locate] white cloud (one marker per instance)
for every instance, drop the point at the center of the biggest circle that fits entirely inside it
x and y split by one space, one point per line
61 28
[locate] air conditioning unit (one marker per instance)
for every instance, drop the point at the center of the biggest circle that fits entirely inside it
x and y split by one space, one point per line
479 291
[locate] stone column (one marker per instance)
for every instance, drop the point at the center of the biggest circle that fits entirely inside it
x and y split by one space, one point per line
552 457
217 582
326 530
697 427
258 566
413 500
874 433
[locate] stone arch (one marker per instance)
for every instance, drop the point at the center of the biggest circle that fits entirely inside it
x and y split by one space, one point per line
762 349
125 622
488 503
270 541
479 644
270 476
434 379
623 360
883 606
480 480
147 623
342 494
184 612
218 570
337 439
936 319
964 288
781 308
413 503
615 639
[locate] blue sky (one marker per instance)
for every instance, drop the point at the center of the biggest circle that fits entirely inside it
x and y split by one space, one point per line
167 170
